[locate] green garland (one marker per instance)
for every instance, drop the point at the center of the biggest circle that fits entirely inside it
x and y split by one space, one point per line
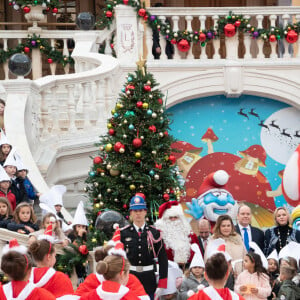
35 42
22 3
240 23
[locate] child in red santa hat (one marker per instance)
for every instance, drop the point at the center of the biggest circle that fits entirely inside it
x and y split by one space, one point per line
94 280
115 270
17 264
44 254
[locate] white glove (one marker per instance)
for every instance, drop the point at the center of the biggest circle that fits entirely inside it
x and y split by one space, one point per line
200 287
190 293
157 293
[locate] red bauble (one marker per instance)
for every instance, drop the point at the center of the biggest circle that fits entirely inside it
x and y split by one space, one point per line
229 30
137 143
118 146
142 12
98 160
125 206
183 45
83 249
173 42
172 159
166 197
147 88
152 128
112 46
50 60
111 131
129 87
55 10
158 166
272 38
26 9
166 133
160 101
237 23
26 49
145 17
125 2
202 37
99 213
139 104
109 14
138 161
291 37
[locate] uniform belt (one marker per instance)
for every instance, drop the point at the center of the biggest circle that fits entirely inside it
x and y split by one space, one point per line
141 268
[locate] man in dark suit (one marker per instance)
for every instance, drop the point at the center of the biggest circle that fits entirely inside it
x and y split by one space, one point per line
204 234
244 228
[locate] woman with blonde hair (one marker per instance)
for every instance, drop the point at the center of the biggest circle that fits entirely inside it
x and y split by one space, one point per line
282 233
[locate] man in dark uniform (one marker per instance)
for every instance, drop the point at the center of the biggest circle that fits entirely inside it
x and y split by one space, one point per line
144 248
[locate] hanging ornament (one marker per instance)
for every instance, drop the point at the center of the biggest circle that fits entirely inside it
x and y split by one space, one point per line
152 128
26 49
154 152
142 12
109 125
229 30
111 131
154 115
291 37
172 159
145 105
166 133
108 190
132 187
166 197
131 126
92 173
158 166
118 146
149 112
160 101
272 38
109 14
161 134
202 37
151 172
108 147
125 206
108 167
130 87
137 143
54 11
98 160
183 45
138 161
83 249
237 23
50 60
122 150
147 88
26 9
138 154
156 177
139 104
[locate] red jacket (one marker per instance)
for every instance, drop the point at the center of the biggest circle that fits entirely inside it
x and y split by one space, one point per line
30 292
224 294
57 283
10 197
94 280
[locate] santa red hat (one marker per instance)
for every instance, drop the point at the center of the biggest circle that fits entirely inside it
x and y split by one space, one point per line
214 181
291 179
118 249
14 245
116 237
48 234
170 209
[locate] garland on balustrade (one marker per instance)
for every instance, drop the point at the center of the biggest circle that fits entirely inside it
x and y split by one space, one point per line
35 42
26 5
228 25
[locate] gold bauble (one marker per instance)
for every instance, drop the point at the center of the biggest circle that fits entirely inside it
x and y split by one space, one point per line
114 172
145 105
132 187
109 125
138 154
108 147
97 205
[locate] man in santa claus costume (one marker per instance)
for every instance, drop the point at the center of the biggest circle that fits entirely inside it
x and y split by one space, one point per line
176 232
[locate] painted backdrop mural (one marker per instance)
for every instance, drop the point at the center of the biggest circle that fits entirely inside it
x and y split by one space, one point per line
249 137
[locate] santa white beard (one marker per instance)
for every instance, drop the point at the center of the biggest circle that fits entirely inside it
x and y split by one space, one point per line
176 237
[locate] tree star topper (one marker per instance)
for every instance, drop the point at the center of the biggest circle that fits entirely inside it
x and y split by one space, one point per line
141 64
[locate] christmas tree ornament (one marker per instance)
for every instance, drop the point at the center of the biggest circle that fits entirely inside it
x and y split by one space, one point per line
116 200
96 184
137 143
152 128
229 30
166 133
122 150
97 206
202 37
109 14
172 158
291 37
108 167
108 147
54 10
131 126
83 249
147 88
149 82
125 121
102 174
101 203
129 78
138 154
113 111
111 131
132 187
154 115
109 125
183 45
141 186
125 206
124 136
93 239
114 172
97 160
99 196
166 197
92 173
142 12
272 38
119 105
129 177
156 176
161 134
26 49
26 9
50 60
145 105
149 112
123 176
108 190
116 115
139 104
151 172
237 23
153 152
118 146
142 137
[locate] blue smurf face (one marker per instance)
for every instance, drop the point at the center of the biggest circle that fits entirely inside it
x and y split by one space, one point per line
218 203
296 224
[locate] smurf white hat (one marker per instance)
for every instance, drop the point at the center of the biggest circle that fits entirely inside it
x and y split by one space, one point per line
20 164
3 139
291 179
292 249
79 217
273 255
173 272
197 260
3 175
258 251
11 159
14 245
54 195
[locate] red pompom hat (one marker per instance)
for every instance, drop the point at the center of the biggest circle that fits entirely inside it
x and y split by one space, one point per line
170 209
215 181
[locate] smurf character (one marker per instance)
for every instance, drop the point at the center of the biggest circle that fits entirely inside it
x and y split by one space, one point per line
213 200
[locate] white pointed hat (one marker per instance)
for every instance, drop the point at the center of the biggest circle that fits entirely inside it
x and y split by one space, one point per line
292 249
197 260
11 159
173 272
79 217
54 195
20 164
258 251
3 139
3 175
273 255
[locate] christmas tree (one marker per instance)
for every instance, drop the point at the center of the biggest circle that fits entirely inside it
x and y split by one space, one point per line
135 156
